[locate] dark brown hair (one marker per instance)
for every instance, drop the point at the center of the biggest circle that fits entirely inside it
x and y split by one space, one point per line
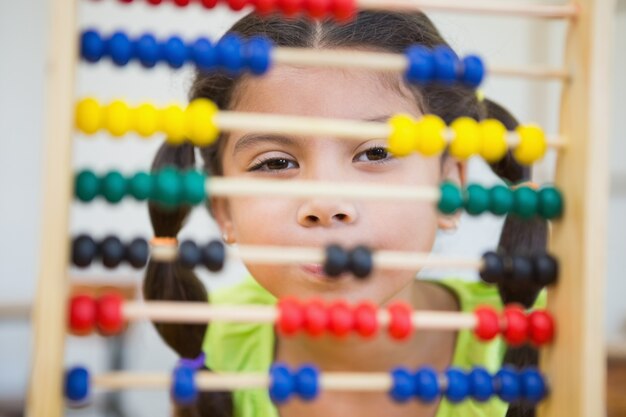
385 31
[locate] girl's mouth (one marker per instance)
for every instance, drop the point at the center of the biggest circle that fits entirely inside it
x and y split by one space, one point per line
317 270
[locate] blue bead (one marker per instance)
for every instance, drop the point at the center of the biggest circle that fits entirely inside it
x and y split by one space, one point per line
426 384
281 383
473 71
92 46
77 384
174 52
403 388
120 48
229 54
421 68
184 391
446 65
533 386
458 385
257 54
203 54
481 384
507 384
147 50
307 382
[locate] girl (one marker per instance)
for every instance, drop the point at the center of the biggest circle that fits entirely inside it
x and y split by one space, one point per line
310 222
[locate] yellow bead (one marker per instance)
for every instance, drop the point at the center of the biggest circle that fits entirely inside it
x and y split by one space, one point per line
201 128
466 142
173 124
493 137
117 118
146 120
88 117
532 145
404 134
431 135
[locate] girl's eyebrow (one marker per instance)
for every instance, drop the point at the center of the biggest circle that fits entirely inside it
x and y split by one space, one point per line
252 139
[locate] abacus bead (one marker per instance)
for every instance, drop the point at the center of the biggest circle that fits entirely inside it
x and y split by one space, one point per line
404 135
209 4
184 391
174 52
137 253
201 128
193 187
315 317
477 201
167 187
109 314
550 203
77 384
400 323
281 383
140 186
500 200
361 262
88 116
180 3
114 187
526 202
87 185
473 71
336 261
431 135
546 269
117 118
532 145
446 65
494 145
466 141
481 384
317 9
289 7
451 198
203 54
541 327
111 251
174 124
516 325
229 54
493 267
237 5
421 65
264 7
306 381
426 384
82 314
92 46
403 385
290 316
458 387
343 10
533 386
507 384
189 254
365 319
146 119
84 250
340 319
488 323
147 50
257 50
522 269
120 48
213 255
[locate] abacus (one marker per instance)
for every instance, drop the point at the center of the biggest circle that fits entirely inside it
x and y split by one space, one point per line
572 362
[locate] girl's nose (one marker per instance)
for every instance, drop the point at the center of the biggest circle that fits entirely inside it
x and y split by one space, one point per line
326 213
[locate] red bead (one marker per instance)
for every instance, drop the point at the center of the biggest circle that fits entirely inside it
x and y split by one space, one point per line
208 4
290 7
181 3
237 5
290 316
317 9
82 314
541 327
400 323
488 323
340 319
155 2
343 10
366 319
264 7
516 325
315 317
109 314
125 1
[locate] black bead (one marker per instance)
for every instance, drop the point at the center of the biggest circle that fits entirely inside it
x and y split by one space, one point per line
137 253
84 250
493 268
112 251
189 254
546 269
519 269
361 263
213 255
337 261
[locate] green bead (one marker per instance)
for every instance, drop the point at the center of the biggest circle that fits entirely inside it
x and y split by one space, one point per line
193 187
114 187
477 200
167 187
451 198
526 202
86 185
501 200
550 203
140 186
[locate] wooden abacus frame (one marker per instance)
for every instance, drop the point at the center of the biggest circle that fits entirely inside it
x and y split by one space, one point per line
575 364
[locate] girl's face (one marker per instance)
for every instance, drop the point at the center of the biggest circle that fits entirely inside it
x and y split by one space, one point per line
313 222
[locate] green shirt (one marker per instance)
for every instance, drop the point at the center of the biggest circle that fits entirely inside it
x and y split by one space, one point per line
245 347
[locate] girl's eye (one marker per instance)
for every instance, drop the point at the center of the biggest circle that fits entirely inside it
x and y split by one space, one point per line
375 154
274 164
